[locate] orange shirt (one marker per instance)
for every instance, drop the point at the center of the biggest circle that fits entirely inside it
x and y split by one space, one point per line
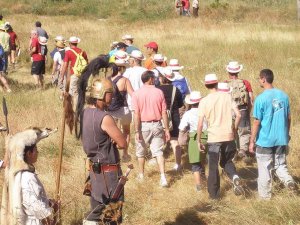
149 102
217 109
149 64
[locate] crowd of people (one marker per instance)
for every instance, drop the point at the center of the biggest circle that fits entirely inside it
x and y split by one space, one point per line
152 95
182 7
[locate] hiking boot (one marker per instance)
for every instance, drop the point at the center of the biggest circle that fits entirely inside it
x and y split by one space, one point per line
237 188
163 182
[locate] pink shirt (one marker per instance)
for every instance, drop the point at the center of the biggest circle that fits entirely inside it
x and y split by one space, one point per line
149 102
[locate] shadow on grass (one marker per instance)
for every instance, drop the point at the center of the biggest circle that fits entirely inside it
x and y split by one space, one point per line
191 216
18 86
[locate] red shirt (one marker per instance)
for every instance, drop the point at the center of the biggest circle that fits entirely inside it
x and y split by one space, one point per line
186 4
36 56
13 37
71 57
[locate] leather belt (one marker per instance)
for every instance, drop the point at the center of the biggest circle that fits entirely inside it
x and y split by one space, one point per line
110 168
151 121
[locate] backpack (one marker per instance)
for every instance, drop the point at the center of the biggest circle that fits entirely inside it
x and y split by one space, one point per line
80 63
239 92
182 85
43 49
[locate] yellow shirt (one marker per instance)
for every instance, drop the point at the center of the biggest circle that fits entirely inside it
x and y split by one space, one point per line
217 109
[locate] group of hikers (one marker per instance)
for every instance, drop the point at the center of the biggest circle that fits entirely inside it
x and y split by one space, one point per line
182 7
152 96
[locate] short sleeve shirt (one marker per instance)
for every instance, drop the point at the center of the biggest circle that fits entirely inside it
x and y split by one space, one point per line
36 56
272 109
217 109
71 57
190 119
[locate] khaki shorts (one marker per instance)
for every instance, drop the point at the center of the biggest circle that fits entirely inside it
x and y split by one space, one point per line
153 136
123 115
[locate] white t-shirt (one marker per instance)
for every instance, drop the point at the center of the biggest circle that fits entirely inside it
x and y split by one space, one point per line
57 58
134 74
156 69
195 4
190 119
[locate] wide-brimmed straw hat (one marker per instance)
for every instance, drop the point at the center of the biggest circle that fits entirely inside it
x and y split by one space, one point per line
136 54
234 67
193 98
121 55
224 87
74 40
43 40
174 64
167 72
127 37
159 58
211 78
60 44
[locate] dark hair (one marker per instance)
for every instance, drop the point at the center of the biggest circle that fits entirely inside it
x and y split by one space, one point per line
234 74
268 75
211 86
158 63
147 75
90 100
165 80
28 149
196 105
114 69
38 24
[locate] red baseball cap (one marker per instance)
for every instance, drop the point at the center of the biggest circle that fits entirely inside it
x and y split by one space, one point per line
152 44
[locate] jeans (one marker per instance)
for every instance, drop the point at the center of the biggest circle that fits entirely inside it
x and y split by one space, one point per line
223 153
269 159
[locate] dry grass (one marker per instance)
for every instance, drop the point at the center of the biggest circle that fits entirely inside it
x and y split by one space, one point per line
202 46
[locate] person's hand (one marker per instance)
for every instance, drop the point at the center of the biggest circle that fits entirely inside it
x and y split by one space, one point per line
201 147
252 148
167 135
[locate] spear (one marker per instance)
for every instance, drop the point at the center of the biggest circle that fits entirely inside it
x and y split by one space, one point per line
57 217
5 112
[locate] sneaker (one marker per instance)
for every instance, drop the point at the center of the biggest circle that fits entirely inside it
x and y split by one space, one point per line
177 168
237 188
163 182
8 90
140 177
126 158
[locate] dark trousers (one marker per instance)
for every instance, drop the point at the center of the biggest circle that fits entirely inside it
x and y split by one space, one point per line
223 153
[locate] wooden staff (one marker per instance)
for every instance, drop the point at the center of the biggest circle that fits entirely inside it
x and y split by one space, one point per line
57 216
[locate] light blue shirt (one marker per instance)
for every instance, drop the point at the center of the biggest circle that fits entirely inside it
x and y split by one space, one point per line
272 109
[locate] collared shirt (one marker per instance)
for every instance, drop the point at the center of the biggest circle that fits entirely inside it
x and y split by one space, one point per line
149 102
217 108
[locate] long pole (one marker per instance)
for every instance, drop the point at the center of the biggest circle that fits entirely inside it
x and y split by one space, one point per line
298 9
59 166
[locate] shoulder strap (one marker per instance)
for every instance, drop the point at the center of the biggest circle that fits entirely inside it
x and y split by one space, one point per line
77 54
173 96
158 71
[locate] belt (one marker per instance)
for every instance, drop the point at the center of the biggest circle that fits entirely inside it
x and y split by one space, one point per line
110 168
151 121
106 168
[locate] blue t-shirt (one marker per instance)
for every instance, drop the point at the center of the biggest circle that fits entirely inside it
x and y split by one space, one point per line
130 48
272 109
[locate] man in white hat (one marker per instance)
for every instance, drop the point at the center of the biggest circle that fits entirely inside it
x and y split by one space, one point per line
4 41
128 40
242 94
217 109
58 58
69 62
188 123
38 52
158 62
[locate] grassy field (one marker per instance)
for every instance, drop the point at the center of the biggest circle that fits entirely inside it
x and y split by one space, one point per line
203 46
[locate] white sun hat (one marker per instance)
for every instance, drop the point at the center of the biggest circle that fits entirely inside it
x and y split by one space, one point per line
74 40
224 87
193 98
59 38
127 37
167 72
136 54
43 40
211 78
121 55
159 58
174 64
234 67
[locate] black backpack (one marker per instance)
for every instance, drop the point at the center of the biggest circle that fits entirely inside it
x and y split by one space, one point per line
44 49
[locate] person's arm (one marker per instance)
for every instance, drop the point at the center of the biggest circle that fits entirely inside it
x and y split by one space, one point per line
201 147
137 126
54 67
166 125
32 50
110 127
255 129
237 120
128 86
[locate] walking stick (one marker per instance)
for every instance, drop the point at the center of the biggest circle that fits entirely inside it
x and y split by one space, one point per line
57 215
5 112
